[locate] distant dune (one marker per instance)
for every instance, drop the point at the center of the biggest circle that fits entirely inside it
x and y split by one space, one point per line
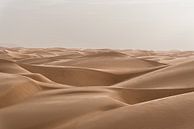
59 88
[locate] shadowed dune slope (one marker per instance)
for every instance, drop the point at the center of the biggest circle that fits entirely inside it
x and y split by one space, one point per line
134 96
7 66
37 77
75 76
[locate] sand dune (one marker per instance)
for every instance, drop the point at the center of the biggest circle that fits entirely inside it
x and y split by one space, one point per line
134 96
169 113
58 88
81 76
37 77
7 66
15 88
177 76
108 62
74 76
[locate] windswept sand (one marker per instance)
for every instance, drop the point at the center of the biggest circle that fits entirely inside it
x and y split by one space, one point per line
58 88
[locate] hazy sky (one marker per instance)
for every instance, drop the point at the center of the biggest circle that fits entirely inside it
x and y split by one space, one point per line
136 24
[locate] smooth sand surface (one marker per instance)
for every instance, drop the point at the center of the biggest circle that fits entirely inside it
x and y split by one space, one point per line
58 88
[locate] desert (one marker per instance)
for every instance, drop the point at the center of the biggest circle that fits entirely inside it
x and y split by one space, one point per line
60 88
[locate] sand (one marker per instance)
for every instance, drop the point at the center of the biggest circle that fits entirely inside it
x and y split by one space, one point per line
58 88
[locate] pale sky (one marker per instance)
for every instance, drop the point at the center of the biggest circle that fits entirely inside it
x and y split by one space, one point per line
117 24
